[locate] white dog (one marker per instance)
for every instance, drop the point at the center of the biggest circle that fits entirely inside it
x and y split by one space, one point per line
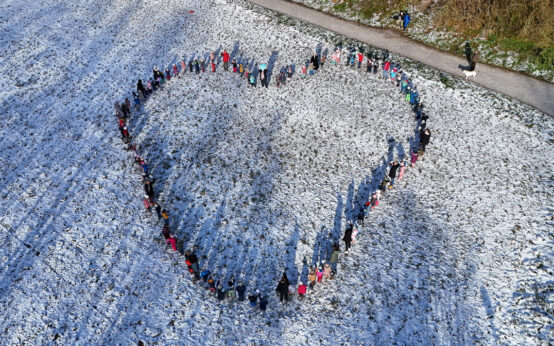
470 74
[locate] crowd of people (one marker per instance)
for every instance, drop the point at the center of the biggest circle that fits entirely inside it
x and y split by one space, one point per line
391 72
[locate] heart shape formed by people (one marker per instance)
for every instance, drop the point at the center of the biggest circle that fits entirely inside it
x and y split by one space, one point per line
252 175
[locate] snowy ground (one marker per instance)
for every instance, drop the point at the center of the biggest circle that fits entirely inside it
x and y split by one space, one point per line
459 252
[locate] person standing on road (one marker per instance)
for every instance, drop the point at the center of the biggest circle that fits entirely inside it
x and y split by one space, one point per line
468 53
474 59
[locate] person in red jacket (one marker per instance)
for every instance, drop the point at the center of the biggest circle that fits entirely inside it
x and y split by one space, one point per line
226 59
301 289
360 59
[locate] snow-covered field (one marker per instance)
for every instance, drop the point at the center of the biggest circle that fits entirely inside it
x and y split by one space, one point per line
258 179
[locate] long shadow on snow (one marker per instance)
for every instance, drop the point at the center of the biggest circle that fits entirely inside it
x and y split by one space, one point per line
418 291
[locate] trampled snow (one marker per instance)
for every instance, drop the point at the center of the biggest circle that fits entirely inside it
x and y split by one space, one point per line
460 251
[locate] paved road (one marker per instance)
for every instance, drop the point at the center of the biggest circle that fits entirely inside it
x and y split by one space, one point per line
536 93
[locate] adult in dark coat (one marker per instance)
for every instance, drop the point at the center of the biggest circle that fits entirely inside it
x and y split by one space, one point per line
474 59
348 236
140 88
240 290
315 61
283 288
392 172
424 138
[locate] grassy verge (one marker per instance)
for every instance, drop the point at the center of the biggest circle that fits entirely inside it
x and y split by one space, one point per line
503 37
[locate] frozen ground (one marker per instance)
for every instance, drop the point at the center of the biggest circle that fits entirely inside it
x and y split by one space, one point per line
459 252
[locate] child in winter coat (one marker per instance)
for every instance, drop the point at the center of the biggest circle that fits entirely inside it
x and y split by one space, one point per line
146 202
235 67
334 258
169 238
158 209
183 66
369 65
220 292
312 277
253 297
413 156
402 170
165 216
263 303
393 75
175 70
252 80
304 71
205 275
231 292
374 201
322 60
355 231
327 271
144 166
203 65
289 73
301 289
319 274
167 74
211 284
241 69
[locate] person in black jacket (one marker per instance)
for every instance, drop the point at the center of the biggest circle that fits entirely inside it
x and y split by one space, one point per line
283 288
140 88
253 297
315 61
220 292
392 172
348 236
424 138
240 291
263 302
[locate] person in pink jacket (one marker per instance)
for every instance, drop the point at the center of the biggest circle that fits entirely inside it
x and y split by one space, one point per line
183 66
175 70
169 238
319 274
402 170
146 202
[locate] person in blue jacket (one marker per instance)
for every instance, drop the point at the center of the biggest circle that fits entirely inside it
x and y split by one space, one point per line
406 20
